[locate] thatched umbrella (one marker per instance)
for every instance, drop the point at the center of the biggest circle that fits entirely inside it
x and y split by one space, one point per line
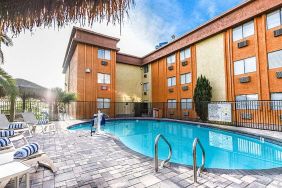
29 89
18 15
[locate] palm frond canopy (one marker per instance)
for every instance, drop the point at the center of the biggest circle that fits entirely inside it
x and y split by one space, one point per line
18 15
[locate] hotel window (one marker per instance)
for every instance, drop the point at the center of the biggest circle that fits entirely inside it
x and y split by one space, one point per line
245 66
103 103
185 78
276 103
146 87
146 68
104 78
275 59
171 103
104 54
243 31
170 60
186 104
171 81
274 19
184 54
247 101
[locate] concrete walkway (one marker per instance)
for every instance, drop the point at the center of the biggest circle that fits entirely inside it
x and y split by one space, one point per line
100 161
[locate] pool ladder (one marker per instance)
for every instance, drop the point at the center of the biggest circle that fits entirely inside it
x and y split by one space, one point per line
198 171
156 158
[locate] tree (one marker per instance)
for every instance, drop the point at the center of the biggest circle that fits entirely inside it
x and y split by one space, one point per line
7 42
202 95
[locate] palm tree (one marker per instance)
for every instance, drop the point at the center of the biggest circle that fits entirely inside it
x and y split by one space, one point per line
7 41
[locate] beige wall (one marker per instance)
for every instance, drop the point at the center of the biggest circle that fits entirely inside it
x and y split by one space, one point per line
128 83
210 63
148 97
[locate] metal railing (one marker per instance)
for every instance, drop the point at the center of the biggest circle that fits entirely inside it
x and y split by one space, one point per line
156 157
198 171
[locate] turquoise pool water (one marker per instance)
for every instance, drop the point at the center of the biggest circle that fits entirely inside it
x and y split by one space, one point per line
224 150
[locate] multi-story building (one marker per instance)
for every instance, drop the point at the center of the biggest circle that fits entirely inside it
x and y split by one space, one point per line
240 52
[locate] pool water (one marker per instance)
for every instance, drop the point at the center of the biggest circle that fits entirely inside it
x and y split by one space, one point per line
224 150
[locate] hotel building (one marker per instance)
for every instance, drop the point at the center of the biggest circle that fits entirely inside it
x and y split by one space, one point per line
240 52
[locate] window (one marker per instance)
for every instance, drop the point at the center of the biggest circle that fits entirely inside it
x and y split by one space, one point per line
146 68
243 31
247 101
184 54
103 103
171 81
171 103
146 87
276 103
104 78
245 66
274 19
275 59
186 104
185 78
170 59
104 54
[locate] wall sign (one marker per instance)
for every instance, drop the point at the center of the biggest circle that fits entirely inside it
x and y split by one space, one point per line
220 112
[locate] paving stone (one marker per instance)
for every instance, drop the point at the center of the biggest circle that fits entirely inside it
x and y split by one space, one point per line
149 180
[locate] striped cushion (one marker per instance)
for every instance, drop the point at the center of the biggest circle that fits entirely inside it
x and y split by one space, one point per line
16 126
43 121
26 151
7 133
4 142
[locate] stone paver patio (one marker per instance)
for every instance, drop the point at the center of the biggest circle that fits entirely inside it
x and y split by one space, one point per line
101 161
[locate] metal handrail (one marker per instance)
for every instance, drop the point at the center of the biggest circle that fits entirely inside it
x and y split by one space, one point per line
156 158
197 172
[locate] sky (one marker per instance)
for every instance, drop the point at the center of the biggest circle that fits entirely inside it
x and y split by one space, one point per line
38 56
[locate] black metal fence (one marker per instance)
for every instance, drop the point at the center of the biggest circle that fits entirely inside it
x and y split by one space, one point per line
251 114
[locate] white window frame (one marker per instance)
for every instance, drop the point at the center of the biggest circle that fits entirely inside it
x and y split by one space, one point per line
243 65
274 59
103 103
249 101
103 78
268 17
242 30
185 54
276 102
104 54
171 103
171 81
186 104
147 87
186 78
171 59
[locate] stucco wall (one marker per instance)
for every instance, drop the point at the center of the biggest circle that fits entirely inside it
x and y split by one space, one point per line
128 79
210 63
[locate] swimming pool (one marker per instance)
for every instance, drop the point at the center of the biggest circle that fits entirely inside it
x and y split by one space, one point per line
224 150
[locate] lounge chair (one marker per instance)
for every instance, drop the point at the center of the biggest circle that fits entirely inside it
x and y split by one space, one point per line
30 119
18 127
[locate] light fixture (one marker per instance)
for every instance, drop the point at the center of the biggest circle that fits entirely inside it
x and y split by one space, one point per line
87 70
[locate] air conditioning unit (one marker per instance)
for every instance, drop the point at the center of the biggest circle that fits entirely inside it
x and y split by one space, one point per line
170 67
184 63
185 88
242 44
145 93
245 79
105 63
145 75
246 116
104 87
170 90
277 33
185 114
279 75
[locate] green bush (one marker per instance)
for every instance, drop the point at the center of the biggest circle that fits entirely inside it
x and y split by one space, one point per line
202 95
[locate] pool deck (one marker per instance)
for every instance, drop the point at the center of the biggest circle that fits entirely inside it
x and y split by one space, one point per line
102 161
